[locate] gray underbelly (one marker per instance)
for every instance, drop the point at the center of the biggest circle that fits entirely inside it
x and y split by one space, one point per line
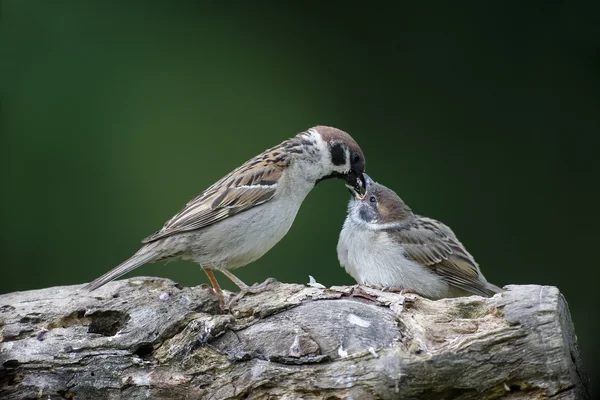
238 240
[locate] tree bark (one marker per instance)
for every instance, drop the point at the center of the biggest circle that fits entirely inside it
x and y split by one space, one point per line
150 338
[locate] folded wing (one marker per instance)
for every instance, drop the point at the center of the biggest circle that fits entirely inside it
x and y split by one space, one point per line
252 184
434 245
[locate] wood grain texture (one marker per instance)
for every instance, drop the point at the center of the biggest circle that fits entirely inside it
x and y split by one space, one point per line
150 338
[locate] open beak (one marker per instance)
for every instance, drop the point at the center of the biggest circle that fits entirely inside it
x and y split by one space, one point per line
356 184
354 193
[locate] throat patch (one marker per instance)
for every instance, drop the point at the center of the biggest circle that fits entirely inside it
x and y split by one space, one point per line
338 155
367 214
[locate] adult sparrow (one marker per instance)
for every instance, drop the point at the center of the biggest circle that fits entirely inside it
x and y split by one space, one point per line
383 244
243 215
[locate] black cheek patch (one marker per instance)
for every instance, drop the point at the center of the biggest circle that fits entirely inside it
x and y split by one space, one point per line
367 214
338 155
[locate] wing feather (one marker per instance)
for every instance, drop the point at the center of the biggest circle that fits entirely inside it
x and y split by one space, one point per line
434 245
252 184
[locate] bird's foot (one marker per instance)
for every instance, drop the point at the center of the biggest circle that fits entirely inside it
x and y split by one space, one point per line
261 287
396 290
254 289
359 291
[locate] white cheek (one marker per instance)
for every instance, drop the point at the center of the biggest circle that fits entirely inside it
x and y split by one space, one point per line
325 153
345 168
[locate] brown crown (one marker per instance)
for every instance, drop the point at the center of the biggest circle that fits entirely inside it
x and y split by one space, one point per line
390 207
329 134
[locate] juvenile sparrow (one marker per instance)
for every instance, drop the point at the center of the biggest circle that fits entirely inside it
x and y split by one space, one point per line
383 244
243 215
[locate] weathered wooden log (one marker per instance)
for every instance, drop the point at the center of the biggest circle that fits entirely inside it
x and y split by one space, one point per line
150 338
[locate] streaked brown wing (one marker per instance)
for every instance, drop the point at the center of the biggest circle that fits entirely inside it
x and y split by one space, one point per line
248 186
434 245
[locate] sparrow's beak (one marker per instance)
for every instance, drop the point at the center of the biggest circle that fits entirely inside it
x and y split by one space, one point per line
367 181
356 184
354 193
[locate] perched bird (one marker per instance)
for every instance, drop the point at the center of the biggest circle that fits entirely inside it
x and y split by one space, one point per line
243 215
384 245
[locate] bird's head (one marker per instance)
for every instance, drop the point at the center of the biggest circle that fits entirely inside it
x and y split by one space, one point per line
337 153
378 207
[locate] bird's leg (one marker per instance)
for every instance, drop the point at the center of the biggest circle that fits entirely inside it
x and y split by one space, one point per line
216 288
244 289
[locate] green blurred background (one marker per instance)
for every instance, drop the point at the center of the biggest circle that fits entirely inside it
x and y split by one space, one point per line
114 114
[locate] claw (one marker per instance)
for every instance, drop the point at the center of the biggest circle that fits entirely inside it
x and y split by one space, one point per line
245 289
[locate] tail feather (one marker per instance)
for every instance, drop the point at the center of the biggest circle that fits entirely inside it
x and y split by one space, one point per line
137 260
493 289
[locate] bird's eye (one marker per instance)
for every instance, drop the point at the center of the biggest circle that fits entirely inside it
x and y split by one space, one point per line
372 199
355 158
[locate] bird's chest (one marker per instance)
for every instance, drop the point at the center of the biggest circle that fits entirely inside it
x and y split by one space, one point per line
358 247
373 258
364 253
247 236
